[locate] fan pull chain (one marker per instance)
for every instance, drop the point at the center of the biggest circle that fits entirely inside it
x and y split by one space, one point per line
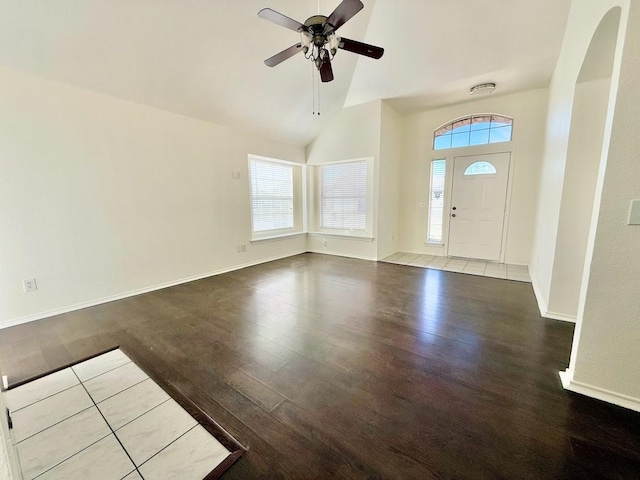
313 90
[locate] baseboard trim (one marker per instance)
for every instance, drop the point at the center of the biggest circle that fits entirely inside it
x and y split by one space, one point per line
560 316
133 293
337 254
542 305
619 399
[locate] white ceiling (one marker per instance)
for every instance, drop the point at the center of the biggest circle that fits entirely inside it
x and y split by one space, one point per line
203 58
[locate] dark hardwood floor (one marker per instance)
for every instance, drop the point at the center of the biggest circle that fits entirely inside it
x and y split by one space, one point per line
326 367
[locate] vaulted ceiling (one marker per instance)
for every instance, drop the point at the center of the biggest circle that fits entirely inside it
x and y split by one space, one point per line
204 58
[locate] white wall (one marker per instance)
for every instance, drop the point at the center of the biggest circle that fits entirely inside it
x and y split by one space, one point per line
101 198
584 18
583 162
528 110
388 184
352 134
605 355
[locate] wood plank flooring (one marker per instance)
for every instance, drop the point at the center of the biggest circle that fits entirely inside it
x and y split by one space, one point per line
327 367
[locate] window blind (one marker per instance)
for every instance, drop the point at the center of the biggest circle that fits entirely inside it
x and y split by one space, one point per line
344 196
436 202
271 195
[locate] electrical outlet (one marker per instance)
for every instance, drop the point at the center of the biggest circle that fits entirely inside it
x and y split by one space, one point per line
324 243
243 247
421 205
235 175
29 285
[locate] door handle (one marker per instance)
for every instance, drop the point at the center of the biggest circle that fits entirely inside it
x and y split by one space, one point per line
453 214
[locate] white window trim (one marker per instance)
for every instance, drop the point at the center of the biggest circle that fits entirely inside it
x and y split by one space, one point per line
444 200
318 230
299 202
433 135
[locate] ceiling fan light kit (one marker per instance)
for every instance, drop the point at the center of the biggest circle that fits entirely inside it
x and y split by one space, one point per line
318 39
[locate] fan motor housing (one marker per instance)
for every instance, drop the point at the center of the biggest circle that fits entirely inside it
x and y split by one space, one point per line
318 27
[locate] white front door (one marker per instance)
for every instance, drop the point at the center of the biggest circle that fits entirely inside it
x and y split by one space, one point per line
478 203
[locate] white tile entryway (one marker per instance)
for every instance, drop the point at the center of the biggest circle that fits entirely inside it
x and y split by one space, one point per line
482 268
105 419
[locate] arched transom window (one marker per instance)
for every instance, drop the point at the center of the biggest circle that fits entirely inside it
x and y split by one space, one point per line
480 168
473 130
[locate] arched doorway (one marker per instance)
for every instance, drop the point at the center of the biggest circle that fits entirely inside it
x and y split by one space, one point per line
584 157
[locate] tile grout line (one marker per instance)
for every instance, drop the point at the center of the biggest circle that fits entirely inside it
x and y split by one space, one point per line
123 390
54 424
111 429
43 398
71 456
169 444
106 371
142 414
488 266
68 388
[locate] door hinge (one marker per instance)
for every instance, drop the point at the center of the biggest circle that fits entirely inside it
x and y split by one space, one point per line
9 421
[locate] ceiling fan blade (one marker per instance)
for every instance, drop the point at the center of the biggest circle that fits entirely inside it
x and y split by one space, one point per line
280 19
344 12
283 55
326 71
361 48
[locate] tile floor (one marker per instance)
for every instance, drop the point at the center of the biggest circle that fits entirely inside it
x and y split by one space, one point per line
105 419
519 273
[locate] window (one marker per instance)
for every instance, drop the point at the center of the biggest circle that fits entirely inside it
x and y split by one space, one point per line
436 202
343 196
474 130
272 196
480 168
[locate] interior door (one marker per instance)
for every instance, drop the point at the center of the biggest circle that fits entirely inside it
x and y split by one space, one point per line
478 203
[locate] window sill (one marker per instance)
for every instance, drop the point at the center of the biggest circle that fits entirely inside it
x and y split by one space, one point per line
273 238
434 244
362 238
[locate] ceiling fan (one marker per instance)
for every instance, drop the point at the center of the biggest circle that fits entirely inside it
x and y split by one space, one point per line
319 32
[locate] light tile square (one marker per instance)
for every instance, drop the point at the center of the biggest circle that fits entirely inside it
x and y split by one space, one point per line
395 256
477 264
150 433
477 273
436 266
437 262
101 364
45 450
457 261
455 267
422 260
191 457
131 403
44 387
114 381
104 460
502 275
517 269
493 268
47 412
407 258
472 271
